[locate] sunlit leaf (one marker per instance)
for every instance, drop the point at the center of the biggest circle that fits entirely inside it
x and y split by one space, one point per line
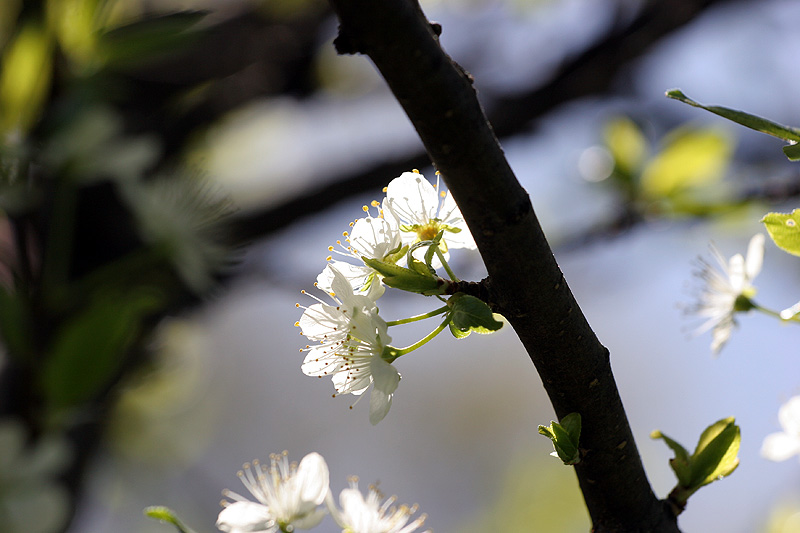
784 229
716 452
626 143
25 79
680 463
74 23
690 158
471 313
565 436
754 122
167 515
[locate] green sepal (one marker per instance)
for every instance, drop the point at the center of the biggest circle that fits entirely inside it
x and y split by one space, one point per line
754 122
432 247
421 268
469 313
565 436
406 279
784 229
395 255
680 464
167 515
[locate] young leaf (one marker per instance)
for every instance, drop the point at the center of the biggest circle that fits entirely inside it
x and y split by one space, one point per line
471 313
716 452
165 514
626 143
27 66
565 437
690 158
784 229
680 464
754 122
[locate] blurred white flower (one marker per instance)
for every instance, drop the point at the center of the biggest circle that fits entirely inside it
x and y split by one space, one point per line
414 205
727 291
369 515
289 496
30 499
352 338
782 445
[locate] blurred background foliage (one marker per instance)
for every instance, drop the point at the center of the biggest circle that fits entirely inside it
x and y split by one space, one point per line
155 154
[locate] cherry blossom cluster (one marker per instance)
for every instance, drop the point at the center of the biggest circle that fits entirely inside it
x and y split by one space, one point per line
410 236
290 496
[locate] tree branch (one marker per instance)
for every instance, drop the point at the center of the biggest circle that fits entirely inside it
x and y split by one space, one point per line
526 283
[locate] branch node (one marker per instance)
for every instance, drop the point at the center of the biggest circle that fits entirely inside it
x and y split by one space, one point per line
346 44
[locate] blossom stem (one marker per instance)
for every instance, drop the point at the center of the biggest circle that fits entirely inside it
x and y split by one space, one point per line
394 353
793 318
415 318
445 265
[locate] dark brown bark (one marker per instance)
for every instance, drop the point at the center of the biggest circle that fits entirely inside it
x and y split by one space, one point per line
526 285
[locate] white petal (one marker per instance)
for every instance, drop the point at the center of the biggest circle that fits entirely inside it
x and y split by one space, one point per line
411 198
779 447
313 478
737 276
355 275
789 416
755 256
374 237
721 334
244 517
386 378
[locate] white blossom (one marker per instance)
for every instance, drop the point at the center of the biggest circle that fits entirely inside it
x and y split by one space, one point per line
369 515
370 237
727 290
784 444
421 211
288 496
351 339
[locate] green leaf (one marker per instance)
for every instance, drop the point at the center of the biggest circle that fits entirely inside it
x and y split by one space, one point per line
27 68
89 349
565 437
787 133
167 515
680 463
626 143
784 229
717 452
690 158
406 279
572 424
471 313
457 333
151 38
792 151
